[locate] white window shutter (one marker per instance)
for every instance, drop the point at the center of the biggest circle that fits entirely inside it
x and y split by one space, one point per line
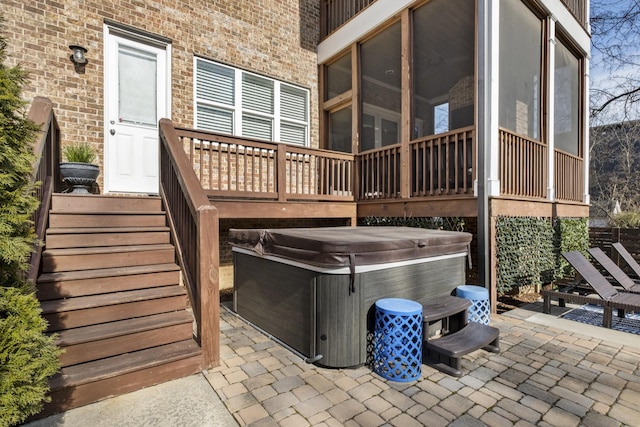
257 127
215 83
293 103
257 94
214 119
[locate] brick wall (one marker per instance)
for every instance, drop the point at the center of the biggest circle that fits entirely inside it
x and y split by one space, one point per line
276 38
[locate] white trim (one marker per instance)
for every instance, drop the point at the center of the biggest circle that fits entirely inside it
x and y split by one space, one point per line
354 30
565 19
489 56
585 132
144 39
347 269
551 107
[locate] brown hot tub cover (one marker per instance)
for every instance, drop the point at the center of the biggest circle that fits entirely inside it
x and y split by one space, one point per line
332 247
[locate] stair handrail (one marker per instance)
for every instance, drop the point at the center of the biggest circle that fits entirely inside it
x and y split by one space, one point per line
194 228
45 171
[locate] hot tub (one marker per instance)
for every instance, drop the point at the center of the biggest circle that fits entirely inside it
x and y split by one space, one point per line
314 288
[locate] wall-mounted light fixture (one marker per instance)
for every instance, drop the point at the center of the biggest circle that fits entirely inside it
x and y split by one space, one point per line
78 58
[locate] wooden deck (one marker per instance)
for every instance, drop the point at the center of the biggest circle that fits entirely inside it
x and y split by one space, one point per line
335 13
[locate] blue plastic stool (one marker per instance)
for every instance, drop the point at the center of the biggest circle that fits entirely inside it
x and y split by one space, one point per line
397 347
479 311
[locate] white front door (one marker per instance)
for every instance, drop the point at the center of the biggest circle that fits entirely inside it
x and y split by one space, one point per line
136 94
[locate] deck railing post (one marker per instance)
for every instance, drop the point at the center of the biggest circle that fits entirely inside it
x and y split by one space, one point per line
208 249
281 172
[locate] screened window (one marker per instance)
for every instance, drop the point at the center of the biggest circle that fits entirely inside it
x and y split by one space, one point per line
338 77
340 130
443 58
235 102
381 88
566 100
520 69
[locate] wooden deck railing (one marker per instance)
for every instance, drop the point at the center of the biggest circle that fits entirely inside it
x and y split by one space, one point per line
45 171
523 166
578 9
443 164
569 177
379 173
235 167
334 13
194 226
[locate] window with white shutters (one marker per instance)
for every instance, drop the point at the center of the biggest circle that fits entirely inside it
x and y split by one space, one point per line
235 102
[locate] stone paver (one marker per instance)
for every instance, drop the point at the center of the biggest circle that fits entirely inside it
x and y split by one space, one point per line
548 373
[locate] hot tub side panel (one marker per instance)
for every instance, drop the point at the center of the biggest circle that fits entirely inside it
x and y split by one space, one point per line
277 298
418 282
338 321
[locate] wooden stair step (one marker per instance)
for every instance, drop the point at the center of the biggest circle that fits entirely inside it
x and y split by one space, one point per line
85 230
102 203
103 219
90 310
89 382
113 366
98 238
70 284
444 353
123 336
106 272
92 301
472 337
70 259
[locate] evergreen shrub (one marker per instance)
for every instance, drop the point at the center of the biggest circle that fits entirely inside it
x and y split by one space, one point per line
27 355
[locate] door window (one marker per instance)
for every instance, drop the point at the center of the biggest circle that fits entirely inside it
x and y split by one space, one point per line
137 87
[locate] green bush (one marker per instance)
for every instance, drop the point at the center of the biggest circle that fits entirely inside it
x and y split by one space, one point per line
628 219
79 153
27 355
17 200
571 234
529 250
525 253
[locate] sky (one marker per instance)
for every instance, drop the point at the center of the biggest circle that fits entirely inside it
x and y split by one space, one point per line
615 57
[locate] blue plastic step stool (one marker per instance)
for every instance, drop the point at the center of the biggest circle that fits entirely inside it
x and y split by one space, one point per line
397 348
479 311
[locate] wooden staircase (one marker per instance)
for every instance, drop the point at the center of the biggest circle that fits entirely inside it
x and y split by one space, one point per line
110 288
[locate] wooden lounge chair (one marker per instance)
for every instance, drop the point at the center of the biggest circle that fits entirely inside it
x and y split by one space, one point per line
609 299
628 258
614 271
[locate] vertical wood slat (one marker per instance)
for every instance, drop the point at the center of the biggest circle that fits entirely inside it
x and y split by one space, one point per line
523 170
334 13
238 167
578 10
568 174
379 173
440 164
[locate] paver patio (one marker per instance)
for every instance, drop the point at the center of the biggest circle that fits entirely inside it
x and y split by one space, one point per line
550 372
